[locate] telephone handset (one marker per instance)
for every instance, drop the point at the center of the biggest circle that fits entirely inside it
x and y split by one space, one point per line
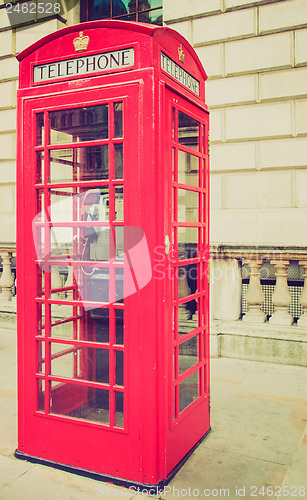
96 208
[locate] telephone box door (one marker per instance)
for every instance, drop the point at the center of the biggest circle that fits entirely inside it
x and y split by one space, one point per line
79 390
187 127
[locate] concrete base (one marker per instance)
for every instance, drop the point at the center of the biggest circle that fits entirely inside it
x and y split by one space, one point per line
254 316
266 342
281 317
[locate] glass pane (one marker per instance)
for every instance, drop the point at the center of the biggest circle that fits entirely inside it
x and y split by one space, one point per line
119 326
187 168
40 282
40 129
119 275
187 280
80 124
156 17
188 391
118 161
187 206
188 131
187 242
62 360
62 324
40 357
80 164
86 363
40 318
69 204
119 409
102 364
99 243
39 167
119 243
118 119
188 354
97 285
119 368
40 395
40 198
187 317
99 327
81 402
98 9
119 203
61 243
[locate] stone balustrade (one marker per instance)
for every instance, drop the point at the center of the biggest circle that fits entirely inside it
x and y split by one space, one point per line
263 292
234 296
7 278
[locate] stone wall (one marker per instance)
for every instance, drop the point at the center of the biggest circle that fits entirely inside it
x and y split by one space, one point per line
255 55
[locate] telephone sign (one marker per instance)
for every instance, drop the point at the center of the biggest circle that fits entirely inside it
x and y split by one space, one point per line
113 203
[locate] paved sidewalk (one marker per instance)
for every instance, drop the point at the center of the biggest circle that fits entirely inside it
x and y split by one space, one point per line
257 447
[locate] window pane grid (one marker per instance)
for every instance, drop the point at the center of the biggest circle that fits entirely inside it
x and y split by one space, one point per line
188 357
77 376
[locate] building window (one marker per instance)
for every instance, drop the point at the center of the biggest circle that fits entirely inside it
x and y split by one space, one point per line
143 11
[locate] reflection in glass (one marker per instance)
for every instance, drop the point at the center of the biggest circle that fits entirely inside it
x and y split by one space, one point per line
119 276
118 119
40 395
79 164
79 124
40 357
97 284
119 203
187 168
156 17
101 324
40 129
102 365
188 354
119 326
119 409
67 204
187 280
188 131
119 243
82 402
40 318
118 161
187 206
39 167
188 391
187 242
119 368
187 319
60 326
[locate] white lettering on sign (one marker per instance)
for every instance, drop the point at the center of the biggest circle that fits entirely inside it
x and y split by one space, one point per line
177 72
82 65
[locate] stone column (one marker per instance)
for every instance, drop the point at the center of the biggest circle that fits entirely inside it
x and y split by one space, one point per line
254 295
303 298
281 297
226 288
7 278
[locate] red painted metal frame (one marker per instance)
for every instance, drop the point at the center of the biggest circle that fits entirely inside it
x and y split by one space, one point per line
151 443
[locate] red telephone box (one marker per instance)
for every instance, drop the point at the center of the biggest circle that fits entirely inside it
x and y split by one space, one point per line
112 251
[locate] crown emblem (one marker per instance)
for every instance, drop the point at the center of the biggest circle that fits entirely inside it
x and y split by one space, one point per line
81 42
181 54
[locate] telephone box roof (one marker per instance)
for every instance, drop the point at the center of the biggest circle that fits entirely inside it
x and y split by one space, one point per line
142 28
